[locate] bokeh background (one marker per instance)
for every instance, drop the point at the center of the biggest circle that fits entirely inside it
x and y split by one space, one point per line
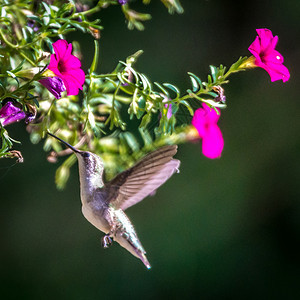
221 229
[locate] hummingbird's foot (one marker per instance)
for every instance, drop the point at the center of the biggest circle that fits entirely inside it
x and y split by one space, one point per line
106 241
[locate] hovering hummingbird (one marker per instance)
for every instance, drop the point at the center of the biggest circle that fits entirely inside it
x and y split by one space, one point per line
103 204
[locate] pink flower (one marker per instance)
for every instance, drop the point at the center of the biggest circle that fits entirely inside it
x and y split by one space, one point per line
266 57
205 121
11 113
66 67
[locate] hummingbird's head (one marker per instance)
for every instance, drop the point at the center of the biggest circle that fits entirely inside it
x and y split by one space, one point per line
89 163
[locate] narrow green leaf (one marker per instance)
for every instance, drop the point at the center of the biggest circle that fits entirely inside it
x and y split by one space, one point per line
162 89
19 67
131 141
145 120
95 59
47 8
146 137
13 76
209 80
196 82
146 83
188 106
172 88
214 72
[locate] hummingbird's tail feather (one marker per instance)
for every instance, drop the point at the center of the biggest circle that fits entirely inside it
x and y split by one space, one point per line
133 245
145 261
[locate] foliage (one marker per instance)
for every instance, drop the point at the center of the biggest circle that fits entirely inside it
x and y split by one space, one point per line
97 119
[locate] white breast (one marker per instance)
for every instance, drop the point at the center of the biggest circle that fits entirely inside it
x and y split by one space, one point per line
97 221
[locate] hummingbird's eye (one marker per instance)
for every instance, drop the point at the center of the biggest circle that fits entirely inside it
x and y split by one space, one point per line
85 154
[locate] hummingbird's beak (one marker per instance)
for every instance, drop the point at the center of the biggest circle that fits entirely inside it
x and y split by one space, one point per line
71 147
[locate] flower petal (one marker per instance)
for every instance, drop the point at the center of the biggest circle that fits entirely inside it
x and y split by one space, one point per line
61 49
265 36
212 116
255 47
273 57
53 63
277 72
72 63
8 109
55 85
74 81
76 75
213 143
11 113
13 118
199 121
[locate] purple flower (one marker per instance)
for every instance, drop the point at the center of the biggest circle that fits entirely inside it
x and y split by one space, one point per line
55 85
168 106
9 113
66 67
266 57
205 121
169 113
122 2
33 24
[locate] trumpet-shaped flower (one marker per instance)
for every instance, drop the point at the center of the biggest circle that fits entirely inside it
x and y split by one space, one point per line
67 68
205 121
55 85
11 113
266 57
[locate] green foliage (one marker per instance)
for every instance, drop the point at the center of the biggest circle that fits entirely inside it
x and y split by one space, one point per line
100 119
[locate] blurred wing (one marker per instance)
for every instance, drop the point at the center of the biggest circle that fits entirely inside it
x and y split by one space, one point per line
134 184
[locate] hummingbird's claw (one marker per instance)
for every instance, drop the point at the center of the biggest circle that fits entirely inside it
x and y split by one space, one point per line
106 241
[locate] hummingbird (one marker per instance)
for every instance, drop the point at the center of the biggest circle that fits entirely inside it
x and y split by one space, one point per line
104 204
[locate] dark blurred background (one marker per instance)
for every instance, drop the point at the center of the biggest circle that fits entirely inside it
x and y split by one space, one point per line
221 229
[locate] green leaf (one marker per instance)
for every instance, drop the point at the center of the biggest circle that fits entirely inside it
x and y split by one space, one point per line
145 121
188 106
214 72
13 76
212 103
47 8
146 137
46 20
196 82
61 177
92 123
95 59
35 18
173 6
49 44
173 88
162 89
36 102
19 67
131 141
146 83
209 80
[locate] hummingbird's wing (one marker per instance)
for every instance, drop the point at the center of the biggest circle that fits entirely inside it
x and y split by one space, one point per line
134 184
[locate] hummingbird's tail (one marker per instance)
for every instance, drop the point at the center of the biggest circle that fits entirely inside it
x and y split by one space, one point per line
144 259
133 246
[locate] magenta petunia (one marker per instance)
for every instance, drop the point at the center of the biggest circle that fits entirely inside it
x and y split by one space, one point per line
205 121
55 85
66 67
266 57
